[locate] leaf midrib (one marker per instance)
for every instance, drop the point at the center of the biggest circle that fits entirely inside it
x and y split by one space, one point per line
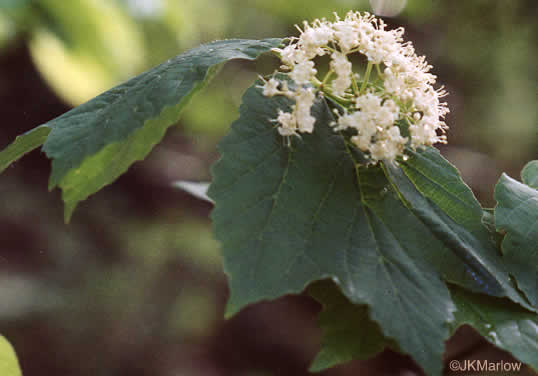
308 237
365 210
269 216
442 187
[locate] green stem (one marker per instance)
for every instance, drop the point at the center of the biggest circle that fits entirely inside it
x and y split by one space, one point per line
380 74
366 77
328 93
316 82
354 85
341 101
326 78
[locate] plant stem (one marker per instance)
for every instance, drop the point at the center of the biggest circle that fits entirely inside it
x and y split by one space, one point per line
366 77
326 78
316 82
328 93
380 74
354 84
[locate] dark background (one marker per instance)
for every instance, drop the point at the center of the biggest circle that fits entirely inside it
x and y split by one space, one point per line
134 285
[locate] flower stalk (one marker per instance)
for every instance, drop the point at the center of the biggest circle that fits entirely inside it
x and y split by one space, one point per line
366 77
374 111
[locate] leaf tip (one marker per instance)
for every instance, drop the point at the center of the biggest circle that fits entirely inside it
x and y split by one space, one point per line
9 364
231 310
68 211
323 361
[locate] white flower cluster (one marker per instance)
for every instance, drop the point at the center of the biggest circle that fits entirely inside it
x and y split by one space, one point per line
396 86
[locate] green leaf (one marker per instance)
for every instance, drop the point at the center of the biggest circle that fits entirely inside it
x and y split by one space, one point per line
9 365
501 322
438 180
96 142
517 214
23 144
7 5
451 214
348 331
529 174
289 216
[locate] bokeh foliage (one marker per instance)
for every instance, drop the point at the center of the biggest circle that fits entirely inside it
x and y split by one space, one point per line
138 267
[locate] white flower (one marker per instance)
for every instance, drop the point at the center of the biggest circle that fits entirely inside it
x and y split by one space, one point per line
342 67
291 55
303 104
270 88
394 83
383 114
303 72
383 45
314 37
364 139
346 35
368 103
288 123
372 110
387 114
300 119
348 121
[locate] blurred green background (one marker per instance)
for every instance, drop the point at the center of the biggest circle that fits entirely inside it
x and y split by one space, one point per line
134 285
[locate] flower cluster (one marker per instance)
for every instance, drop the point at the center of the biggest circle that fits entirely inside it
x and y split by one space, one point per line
396 88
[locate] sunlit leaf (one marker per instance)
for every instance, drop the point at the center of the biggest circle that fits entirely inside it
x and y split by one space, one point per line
9 365
451 215
86 47
13 4
23 144
517 214
529 174
440 181
96 142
